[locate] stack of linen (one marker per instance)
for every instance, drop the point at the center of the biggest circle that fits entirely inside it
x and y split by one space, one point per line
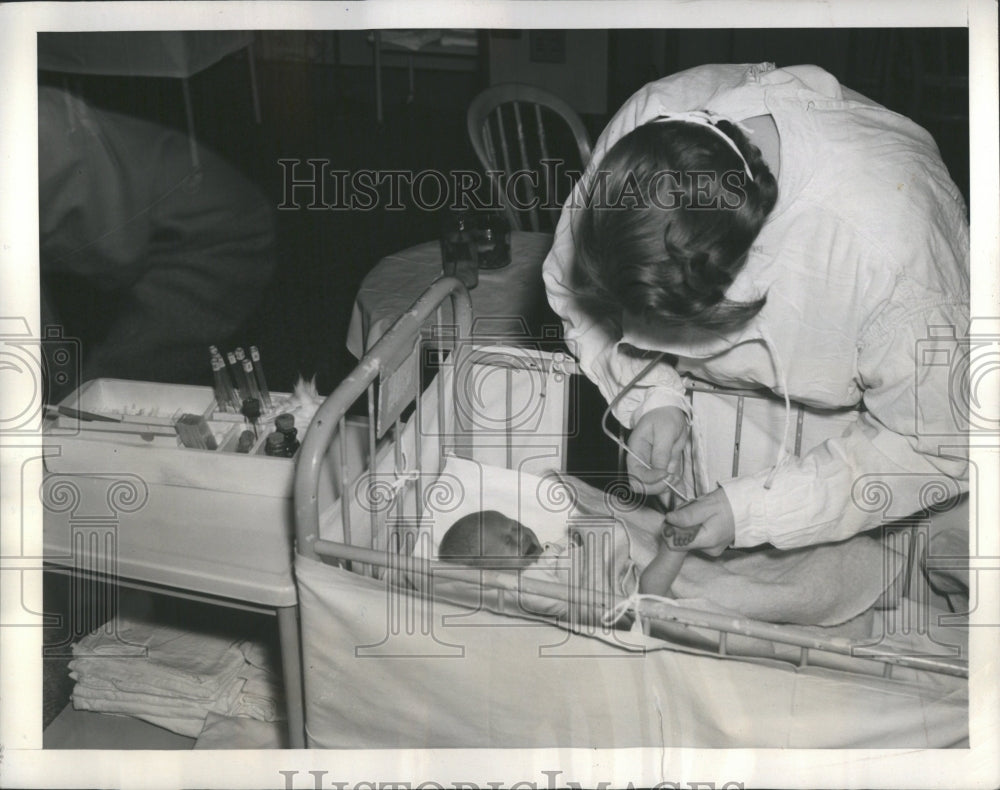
172 677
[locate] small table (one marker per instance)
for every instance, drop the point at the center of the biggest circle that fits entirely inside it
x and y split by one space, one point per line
508 302
176 54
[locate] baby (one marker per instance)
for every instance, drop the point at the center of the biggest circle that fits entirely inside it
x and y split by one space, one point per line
486 539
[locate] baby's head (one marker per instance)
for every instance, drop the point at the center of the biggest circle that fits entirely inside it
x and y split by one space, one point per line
478 539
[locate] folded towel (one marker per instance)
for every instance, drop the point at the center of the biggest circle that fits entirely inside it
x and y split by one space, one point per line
173 678
144 677
131 702
185 717
162 656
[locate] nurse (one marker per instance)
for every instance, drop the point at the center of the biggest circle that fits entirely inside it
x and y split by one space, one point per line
769 228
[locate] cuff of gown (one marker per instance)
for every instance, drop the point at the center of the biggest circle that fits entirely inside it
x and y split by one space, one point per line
747 498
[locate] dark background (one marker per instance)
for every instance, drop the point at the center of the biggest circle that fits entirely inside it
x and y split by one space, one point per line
314 105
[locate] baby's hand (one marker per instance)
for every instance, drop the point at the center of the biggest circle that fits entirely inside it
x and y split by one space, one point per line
707 524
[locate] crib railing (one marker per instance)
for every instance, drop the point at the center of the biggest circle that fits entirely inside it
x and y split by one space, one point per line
589 605
389 354
589 610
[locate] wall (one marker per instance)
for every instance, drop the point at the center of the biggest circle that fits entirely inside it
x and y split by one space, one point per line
572 64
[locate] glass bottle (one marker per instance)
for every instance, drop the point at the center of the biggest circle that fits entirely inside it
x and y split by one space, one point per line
459 250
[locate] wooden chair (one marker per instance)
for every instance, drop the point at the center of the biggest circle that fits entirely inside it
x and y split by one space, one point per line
515 128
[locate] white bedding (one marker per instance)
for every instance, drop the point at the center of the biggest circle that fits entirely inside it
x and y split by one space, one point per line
440 676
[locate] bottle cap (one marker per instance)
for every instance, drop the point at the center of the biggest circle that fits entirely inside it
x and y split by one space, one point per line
284 422
245 442
251 409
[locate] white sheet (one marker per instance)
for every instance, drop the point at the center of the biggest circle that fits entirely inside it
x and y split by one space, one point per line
445 677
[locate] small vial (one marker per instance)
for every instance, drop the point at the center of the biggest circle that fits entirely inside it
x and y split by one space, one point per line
245 442
285 424
274 445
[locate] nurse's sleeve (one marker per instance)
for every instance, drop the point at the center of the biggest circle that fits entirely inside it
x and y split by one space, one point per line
908 446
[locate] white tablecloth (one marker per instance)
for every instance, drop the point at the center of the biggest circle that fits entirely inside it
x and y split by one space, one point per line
507 301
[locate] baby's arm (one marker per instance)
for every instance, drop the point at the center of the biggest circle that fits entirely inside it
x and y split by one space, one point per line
659 575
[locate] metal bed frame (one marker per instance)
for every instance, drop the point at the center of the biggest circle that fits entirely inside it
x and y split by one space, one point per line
386 358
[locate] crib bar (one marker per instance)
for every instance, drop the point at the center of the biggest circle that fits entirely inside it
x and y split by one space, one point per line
799 418
696 385
325 422
789 635
736 438
500 579
508 417
372 454
666 612
418 461
397 464
439 329
564 445
345 499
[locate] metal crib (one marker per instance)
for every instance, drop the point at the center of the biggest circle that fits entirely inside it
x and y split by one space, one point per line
386 382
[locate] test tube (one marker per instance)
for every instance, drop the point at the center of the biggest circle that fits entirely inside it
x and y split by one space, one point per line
237 374
245 383
258 370
224 394
251 382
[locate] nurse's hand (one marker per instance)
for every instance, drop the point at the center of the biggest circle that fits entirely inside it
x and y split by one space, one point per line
658 439
714 515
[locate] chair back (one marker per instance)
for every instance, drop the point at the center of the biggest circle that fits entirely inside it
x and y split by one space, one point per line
516 128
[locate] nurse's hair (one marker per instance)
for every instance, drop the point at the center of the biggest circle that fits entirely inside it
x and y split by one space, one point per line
647 244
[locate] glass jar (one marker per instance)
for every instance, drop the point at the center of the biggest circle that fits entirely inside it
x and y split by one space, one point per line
493 240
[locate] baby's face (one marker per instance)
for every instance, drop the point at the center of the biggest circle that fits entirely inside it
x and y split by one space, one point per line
505 537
